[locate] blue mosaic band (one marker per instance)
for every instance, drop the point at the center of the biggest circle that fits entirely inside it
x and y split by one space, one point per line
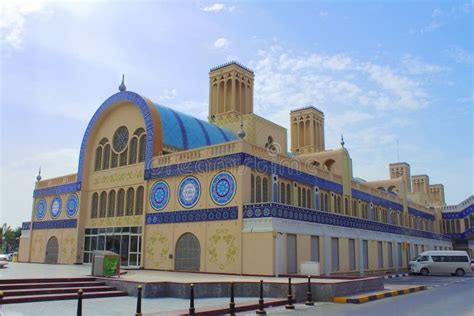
204 215
464 213
312 216
58 224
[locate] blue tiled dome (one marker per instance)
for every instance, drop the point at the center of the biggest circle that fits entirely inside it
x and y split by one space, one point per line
184 131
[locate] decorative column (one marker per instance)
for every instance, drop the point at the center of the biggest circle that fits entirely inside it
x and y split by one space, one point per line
360 251
327 254
396 257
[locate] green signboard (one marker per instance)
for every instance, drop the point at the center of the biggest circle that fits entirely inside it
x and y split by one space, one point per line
111 265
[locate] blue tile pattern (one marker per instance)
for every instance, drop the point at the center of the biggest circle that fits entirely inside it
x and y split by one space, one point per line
222 188
55 207
467 233
277 210
204 215
464 213
189 192
59 224
183 131
159 195
72 205
59 189
356 194
41 209
421 214
25 226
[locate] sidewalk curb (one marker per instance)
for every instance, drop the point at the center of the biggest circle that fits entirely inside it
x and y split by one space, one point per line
396 275
373 297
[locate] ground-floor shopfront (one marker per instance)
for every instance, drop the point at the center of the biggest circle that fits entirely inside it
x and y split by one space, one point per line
126 241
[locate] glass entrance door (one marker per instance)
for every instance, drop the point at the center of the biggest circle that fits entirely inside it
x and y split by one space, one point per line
125 241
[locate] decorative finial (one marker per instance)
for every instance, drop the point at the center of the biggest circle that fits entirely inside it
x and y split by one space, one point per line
241 133
122 86
38 177
342 140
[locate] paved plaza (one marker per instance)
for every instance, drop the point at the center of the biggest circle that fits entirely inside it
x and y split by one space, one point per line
38 270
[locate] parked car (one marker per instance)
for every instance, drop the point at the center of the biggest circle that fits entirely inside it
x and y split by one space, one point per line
442 262
472 264
4 257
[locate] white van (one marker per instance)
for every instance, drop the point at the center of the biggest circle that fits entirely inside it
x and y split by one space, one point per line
441 262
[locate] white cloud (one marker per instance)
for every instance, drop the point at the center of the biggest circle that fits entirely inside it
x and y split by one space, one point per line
222 43
415 66
13 20
168 94
218 7
459 55
325 80
323 14
436 12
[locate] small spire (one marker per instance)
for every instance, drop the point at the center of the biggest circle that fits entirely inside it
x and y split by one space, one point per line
122 86
241 133
342 140
38 177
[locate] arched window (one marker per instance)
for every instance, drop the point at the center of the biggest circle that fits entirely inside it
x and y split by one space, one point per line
303 197
288 194
308 198
130 198
265 190
98 158
94 205
111 204
114 160
132 158
141 149
299 196
258 185
106 159
252 188
139 131
102 204
123 158
120 202
282 193
139 201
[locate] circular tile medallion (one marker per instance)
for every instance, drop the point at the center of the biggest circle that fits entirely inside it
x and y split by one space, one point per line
56 205
159 195
189 192
41 209
222 188
72 205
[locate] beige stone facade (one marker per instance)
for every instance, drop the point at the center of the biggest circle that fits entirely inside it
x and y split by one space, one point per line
170 192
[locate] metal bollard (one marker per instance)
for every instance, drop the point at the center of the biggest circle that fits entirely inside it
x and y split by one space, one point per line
290 297
139 301
309 298
79 302
232 303
191 303
261 309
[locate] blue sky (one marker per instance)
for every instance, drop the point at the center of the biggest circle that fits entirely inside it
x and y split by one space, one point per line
380 71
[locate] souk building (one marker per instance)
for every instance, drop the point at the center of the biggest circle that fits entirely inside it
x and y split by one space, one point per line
168 191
